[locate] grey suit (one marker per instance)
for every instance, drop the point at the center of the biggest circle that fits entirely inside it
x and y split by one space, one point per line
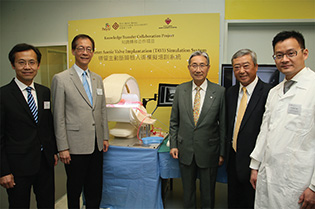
77 123
201 144
80 128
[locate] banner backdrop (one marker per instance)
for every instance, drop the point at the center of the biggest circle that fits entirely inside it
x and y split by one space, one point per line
153 49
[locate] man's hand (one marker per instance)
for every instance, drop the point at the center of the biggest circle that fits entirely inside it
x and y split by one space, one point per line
174 153
221 160
105 145
65 156
253 178
7 181
56 159
308 199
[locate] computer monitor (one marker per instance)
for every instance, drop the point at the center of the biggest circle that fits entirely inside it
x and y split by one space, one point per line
166 94
267 73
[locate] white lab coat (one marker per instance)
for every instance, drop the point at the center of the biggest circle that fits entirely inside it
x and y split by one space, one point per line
285 146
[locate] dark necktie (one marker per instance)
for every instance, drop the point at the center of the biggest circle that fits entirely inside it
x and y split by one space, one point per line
287 86
32 104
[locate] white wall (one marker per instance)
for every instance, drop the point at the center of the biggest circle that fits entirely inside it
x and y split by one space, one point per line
45 22
258 35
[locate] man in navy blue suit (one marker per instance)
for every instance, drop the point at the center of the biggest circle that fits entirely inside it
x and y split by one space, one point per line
27 144
243 131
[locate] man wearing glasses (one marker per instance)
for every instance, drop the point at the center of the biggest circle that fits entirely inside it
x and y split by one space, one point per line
28 149
197 131
81 129
283 160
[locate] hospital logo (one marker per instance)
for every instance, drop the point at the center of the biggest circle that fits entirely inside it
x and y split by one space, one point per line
168 21
168 25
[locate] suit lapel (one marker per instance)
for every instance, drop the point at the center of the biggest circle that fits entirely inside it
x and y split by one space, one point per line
78 84
207 103
234 98
15 90
188 101
252 103
40 101
94 87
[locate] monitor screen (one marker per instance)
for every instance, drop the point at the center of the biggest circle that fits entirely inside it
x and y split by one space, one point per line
267 73
166 94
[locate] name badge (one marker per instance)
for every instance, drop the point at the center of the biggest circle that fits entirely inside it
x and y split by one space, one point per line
99 91
294 109
46 105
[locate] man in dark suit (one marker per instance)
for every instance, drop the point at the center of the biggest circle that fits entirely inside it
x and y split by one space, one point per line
243 126
197 131
27 146
81 128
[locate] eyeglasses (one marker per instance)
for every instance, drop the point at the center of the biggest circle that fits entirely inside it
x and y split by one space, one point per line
195 66
82 49
31 63
289 54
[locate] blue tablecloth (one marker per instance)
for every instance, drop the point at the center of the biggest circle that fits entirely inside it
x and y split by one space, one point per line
169 168
131 178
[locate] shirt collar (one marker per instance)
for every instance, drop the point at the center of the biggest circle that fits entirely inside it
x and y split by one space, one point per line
250 87
203 86
297 77
22 86
80 71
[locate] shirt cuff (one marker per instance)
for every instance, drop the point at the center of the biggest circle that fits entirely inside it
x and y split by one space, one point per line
312 187
254 164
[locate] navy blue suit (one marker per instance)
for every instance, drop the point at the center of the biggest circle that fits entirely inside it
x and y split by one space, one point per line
27 148
240 192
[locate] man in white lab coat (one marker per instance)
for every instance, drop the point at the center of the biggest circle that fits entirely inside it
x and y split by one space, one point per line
283 161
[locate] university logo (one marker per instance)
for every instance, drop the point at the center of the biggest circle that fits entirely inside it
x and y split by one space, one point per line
115 26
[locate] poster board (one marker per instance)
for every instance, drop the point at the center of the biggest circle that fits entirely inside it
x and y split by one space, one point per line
153 49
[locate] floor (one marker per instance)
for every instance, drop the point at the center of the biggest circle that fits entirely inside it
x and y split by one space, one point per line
173 198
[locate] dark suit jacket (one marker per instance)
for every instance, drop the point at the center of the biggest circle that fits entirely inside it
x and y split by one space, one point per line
21 137
250 125
206 140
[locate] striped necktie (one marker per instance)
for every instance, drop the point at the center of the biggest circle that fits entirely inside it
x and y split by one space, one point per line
87 87
32 104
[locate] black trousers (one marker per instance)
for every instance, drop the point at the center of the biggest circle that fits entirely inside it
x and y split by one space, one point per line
43 183
240 194
207 178
85 172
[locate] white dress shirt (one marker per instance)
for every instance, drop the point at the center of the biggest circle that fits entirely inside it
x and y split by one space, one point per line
249 91
23 87
203 90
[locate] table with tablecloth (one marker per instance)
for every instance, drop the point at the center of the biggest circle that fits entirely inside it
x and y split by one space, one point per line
132 174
